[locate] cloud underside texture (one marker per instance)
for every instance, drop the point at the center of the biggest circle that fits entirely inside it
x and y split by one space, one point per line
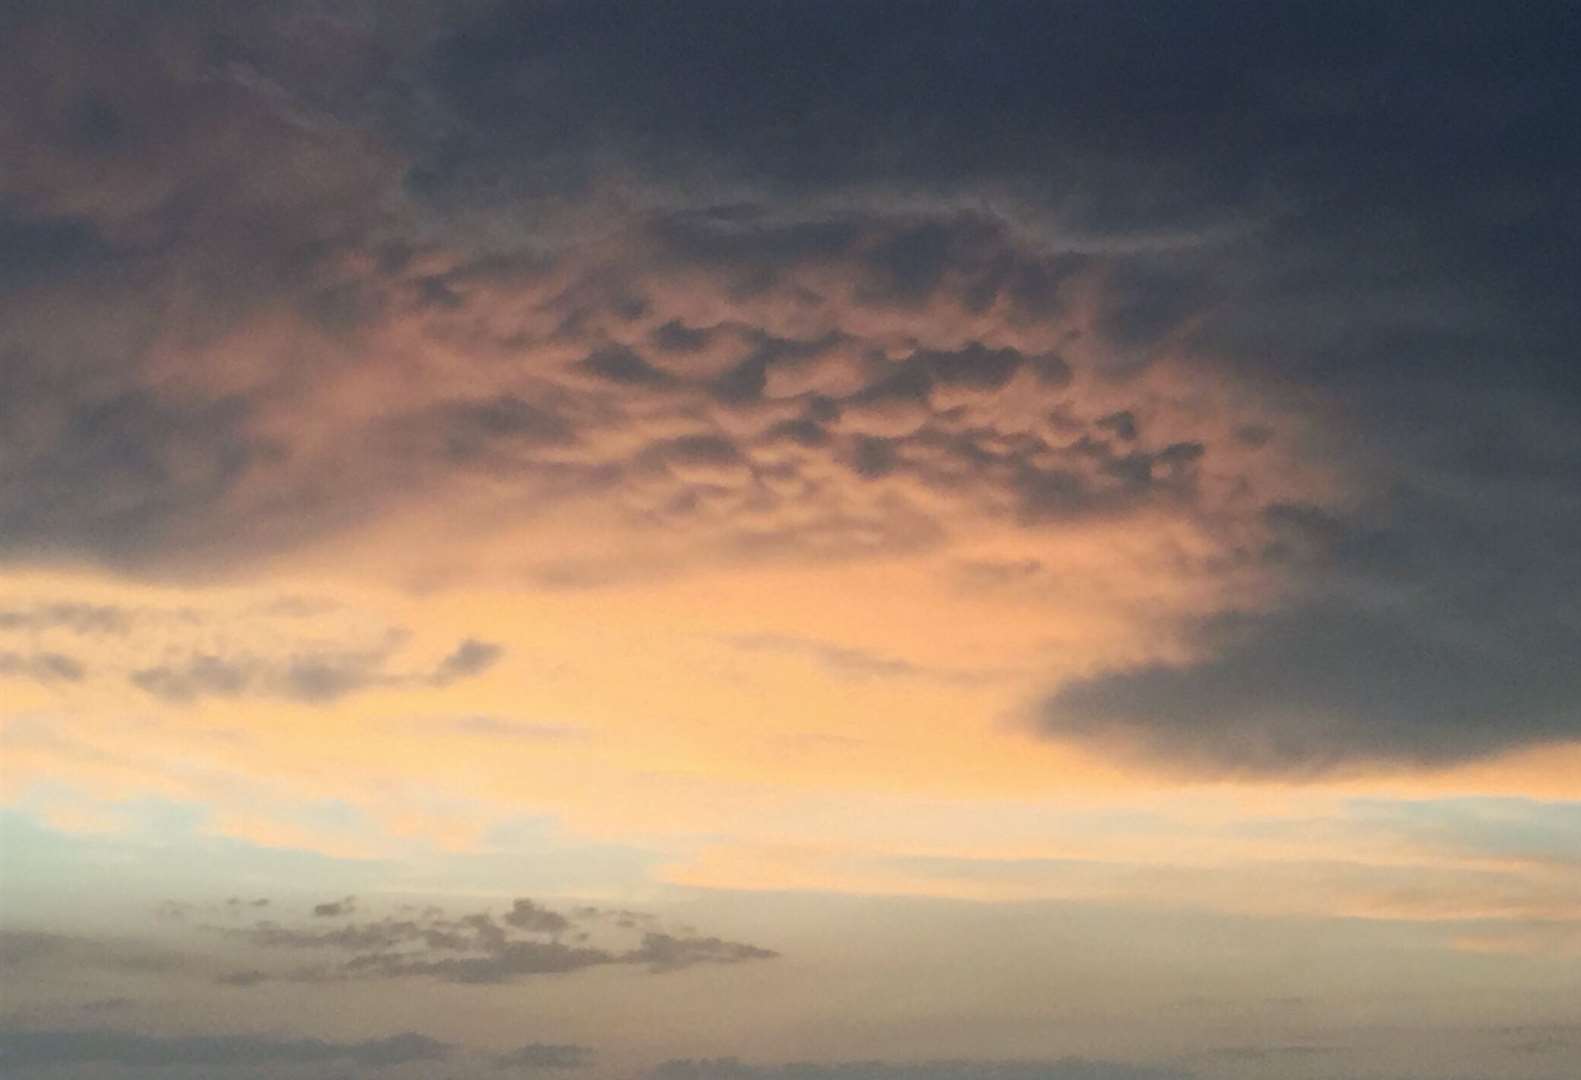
847 281
47 1049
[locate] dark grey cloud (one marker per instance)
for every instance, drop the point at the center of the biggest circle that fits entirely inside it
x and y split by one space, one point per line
478 431
1379 237
526 940
670 952
200 676
41 248
78 618
106 468
471 657
35 1048
547 1056
22 951
624 365
316 677
534 918
1070 1068
1430 630
42 667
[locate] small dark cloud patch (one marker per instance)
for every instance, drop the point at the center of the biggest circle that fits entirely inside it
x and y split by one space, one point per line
309 677
335 909
669 952
1121 424
45 667
24 946
803 432
471 657
534 919
27 950
200 676
41 249
469 431
77 618
620 364
547 1056
103 464
1070 1068
675 336
38 1048
872 457
526 940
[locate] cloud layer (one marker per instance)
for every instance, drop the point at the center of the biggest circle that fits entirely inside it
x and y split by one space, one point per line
495 276
479 948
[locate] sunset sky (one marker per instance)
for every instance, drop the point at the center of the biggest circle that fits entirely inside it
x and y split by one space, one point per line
757 540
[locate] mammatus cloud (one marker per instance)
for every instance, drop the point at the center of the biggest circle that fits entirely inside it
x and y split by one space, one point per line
525 940
503 268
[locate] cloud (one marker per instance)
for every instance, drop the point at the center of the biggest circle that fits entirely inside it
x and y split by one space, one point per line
857 664
530 917
35 1048
24 950
317 677
41 667
847 662
528 939
1070 1068
495 727
1423 634
668 952
547 1056
77 617
508 277
471 657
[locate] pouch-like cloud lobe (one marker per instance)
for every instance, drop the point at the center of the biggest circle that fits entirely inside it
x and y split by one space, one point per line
1290 280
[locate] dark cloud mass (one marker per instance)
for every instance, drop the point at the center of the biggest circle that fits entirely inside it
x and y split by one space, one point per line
856 275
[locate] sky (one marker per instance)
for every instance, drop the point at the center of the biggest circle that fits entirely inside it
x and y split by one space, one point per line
790 540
